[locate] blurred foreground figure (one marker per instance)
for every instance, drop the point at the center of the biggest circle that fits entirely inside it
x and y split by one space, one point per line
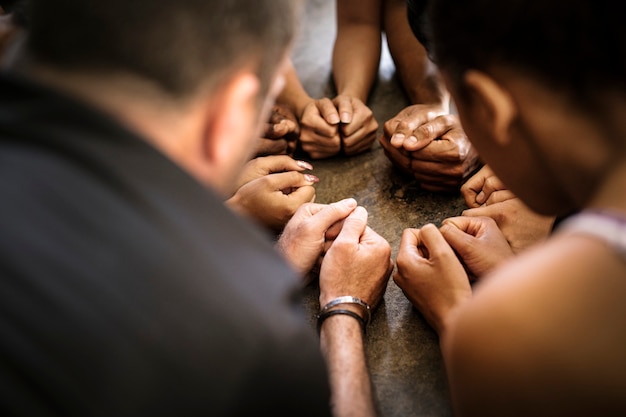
540 90
127 286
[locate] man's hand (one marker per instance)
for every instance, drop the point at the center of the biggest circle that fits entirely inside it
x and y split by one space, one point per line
478 242
303 239
430 146
430 275
357 263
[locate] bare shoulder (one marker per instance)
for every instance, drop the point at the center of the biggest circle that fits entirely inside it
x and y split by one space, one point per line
544 334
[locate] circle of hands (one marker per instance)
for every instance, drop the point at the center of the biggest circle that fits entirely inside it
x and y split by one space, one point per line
435 266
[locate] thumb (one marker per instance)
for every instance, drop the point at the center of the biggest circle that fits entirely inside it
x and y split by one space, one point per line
353 226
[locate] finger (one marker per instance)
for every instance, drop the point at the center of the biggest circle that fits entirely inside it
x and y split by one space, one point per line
434 242
345 108
283 163
440 150
302 194
361 141
500 196
333 231
428 132
409 242
353 226
330 214
328 111
290 180
456 237
401 132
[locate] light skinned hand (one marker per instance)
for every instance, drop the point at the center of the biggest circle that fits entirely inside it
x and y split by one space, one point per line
319 134
430 275
358 126
357 263
264 165
478 242
274 198
302 240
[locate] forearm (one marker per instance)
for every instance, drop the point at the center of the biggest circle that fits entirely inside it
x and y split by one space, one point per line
294 95
355 60
356 53
341 341
417 73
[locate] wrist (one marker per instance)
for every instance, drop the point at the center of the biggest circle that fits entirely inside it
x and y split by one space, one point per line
347 305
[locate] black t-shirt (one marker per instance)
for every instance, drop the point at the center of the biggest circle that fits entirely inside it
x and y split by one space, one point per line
127 288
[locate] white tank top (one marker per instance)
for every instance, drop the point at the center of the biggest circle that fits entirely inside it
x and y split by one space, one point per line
608 226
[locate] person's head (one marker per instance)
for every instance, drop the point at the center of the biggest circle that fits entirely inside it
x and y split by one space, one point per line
228 50
538 85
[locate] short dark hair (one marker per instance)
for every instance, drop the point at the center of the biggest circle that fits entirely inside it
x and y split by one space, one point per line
178 45
578 46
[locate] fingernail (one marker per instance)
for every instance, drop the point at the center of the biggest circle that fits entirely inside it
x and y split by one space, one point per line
412 140
350 202
311 178
480 198
333 119
345 117
304 164
398 136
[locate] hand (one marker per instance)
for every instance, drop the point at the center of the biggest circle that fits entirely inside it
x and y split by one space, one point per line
319 122
478 242
358 125
357 263
436 152
403 130
281 133
270 190
479 188
430 275
265 165
486 195
520 225
303 239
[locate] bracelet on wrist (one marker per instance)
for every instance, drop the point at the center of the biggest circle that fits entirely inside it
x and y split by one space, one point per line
348 299
326 314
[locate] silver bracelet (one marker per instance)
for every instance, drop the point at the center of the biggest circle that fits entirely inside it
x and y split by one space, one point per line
348 299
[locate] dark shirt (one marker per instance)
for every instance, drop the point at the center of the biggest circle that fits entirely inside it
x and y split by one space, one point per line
127 288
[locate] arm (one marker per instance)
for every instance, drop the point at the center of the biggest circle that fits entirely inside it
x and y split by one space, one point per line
356 53
417 73
424 139
356 262
356 56
319 119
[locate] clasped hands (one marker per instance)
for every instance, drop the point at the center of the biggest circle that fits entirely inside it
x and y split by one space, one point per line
329 127
428 143
434 266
